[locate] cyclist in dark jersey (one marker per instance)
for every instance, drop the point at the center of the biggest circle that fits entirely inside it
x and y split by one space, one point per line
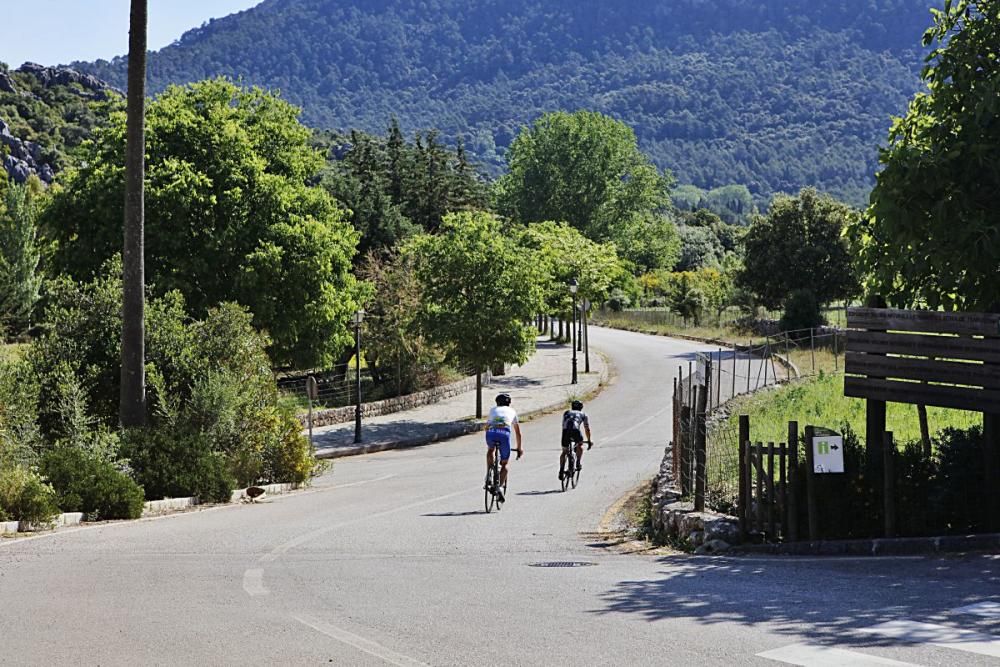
573 420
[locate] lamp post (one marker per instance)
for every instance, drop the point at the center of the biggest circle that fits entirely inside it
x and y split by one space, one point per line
573 286
586 336
356 319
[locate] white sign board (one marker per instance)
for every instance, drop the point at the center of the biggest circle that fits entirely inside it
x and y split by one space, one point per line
828 453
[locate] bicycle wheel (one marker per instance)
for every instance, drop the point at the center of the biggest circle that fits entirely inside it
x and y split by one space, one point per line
489 497
569 466
501 502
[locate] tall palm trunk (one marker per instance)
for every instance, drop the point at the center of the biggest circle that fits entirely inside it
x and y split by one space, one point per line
132 406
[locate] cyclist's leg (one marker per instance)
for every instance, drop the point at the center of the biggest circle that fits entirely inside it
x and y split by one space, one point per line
566 442
491 449
504 447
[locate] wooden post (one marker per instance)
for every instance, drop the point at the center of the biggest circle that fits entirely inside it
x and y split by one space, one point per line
685 450
783 493
812 346
889 468
874 418
771 500
749 363
676 419
793 480
991 463
718 382
758 463
700 451
743 486
748 485
811 507
733 395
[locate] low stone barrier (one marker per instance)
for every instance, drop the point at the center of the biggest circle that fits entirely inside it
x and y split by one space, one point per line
390 405
675 520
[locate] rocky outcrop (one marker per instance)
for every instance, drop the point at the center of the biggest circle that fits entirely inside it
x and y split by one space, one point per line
22 158
7 84
64 76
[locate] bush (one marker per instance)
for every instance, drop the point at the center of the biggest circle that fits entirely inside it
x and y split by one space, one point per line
802 311
619 301
959 498
177 464
89 484
24 496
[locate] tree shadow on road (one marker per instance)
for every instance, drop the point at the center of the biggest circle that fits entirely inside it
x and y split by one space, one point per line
470 513
823 600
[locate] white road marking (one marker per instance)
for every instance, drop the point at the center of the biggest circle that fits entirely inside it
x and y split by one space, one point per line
938 635
984 609
634 426
813 655
253 582
360 643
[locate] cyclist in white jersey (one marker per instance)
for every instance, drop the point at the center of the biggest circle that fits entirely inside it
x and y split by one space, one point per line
501 421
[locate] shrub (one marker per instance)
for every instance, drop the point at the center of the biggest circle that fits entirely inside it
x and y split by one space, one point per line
24 496
619 300
802 311
19 434
958 499
87 483
172 464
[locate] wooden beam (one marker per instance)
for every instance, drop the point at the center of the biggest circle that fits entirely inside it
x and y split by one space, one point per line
961 398
928 370
927 321
917 345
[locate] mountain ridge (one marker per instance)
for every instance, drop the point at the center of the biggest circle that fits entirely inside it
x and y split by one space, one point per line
776 95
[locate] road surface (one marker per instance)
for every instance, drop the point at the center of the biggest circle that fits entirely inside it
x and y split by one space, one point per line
389 559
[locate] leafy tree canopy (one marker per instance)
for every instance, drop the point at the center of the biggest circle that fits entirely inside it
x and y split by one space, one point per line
479 290
584 168
931 235
229 215
798 245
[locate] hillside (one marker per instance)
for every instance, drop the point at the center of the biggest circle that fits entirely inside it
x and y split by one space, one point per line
774 95
45 113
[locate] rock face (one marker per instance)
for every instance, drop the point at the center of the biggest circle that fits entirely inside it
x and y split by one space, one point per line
22 158
55 76
7 84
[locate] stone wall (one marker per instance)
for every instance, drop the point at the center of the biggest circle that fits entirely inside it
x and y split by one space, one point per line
391 405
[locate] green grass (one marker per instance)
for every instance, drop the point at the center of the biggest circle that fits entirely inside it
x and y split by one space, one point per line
820 401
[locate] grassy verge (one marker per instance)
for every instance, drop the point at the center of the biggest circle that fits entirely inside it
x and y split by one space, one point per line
820 401
12 351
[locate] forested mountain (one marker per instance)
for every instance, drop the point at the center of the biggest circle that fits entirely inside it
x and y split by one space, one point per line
774 95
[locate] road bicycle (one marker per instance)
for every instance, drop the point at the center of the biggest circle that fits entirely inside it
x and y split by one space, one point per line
572 477
492 481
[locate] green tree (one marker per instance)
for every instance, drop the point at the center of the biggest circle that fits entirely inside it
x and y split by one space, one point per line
798 245
584 168
229 216
930 236
480 289
20 254
687 300
649 243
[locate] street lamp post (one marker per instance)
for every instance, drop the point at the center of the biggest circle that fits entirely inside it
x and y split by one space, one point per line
573 286
356 319
586 337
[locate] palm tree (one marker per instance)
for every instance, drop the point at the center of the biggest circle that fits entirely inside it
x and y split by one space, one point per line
132 406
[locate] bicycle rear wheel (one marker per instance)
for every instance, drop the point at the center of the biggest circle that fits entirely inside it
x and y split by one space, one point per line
489 497
570 464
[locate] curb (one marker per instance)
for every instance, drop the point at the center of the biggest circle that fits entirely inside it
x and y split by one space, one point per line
901 546
150 508
458 429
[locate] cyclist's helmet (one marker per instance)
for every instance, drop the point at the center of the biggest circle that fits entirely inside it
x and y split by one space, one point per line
577 405
503 399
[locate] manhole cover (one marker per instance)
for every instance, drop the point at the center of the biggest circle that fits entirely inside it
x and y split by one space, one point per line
562 563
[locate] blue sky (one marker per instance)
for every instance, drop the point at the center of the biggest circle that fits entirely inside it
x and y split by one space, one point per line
53 32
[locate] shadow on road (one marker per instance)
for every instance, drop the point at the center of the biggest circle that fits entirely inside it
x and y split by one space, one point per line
475 513
824 600
539 493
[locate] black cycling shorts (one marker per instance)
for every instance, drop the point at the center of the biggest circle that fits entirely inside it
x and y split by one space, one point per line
571 436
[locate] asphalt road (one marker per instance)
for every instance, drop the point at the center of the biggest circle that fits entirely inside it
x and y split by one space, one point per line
389 559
